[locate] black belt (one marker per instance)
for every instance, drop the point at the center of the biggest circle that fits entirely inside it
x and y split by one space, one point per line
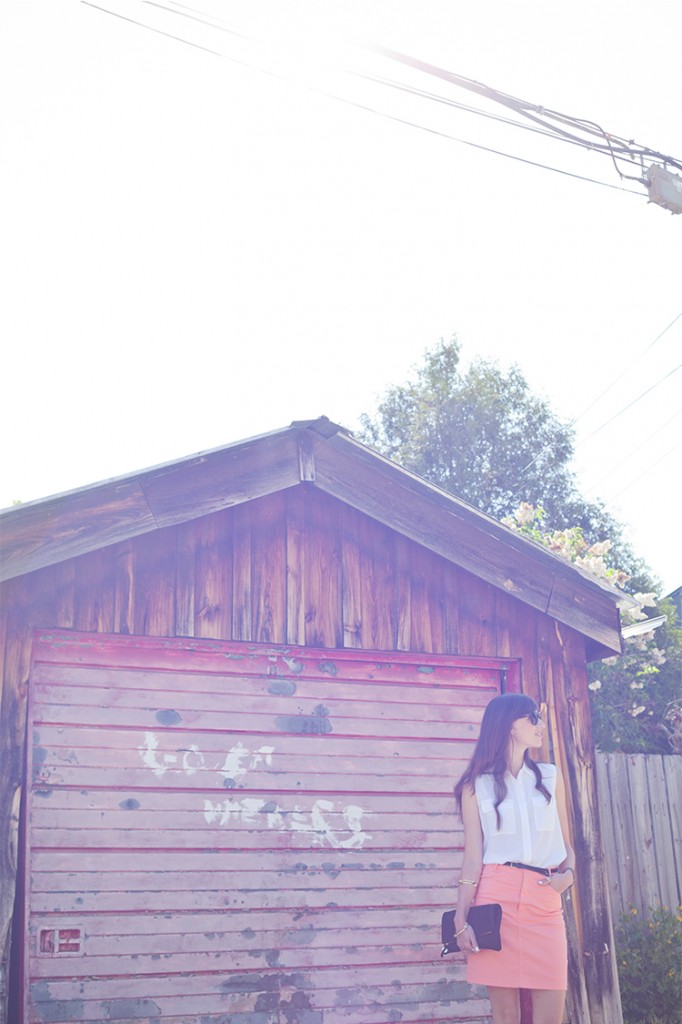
547 872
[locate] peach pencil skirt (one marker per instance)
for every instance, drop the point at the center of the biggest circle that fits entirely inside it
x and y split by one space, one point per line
534 953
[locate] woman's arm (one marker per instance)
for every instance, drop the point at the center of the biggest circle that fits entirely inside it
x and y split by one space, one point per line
471 869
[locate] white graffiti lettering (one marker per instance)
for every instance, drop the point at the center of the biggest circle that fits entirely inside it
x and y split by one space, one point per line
199 760
314 823
233 766
323 823
149 756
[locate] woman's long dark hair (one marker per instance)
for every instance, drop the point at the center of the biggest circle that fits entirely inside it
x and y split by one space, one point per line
491 750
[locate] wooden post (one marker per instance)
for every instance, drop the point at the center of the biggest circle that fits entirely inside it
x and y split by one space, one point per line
14 691
591 899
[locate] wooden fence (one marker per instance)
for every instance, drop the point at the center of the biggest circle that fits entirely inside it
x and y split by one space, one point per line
640 804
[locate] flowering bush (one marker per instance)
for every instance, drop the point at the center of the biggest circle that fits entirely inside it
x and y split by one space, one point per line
569 544
649 956
636 698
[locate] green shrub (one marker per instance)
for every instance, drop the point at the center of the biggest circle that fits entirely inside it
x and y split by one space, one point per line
649 954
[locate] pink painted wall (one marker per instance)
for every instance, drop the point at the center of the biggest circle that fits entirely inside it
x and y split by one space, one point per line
223 831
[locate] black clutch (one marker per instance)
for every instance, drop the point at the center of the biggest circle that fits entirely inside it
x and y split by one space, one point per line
485 920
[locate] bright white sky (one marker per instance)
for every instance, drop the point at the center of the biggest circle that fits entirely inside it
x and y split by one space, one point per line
196 252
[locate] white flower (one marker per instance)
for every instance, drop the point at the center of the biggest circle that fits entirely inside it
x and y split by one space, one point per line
637 711
596 685
636 686
594 564
600 549
525 514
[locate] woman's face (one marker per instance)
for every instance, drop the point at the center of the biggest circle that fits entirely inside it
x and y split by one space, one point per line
528 731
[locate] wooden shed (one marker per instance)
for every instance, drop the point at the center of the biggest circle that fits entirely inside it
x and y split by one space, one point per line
237 691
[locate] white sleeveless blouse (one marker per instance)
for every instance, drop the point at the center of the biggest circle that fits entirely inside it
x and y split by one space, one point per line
529 831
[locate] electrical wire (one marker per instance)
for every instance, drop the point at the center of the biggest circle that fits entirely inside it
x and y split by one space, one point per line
611 142
445 100
540 126
648 469
373 110
195 10
607 389
618 149
626 370
633 451
629 405
132 21
546 131
203 21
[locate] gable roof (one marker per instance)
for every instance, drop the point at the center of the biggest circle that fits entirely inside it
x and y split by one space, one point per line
324 455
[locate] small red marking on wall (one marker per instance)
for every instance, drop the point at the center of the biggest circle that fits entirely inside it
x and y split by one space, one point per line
60 942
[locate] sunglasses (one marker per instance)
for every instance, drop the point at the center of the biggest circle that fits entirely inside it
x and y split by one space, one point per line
534 717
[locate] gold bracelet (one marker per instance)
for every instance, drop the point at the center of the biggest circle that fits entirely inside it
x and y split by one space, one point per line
462 930
467 881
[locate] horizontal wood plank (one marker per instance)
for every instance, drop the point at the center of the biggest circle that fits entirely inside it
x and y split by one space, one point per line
465 687
247 924
316 725
209 658
373 978
70 744
334 705
225 838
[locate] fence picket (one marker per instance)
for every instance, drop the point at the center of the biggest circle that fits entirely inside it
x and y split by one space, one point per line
640 805
672 768
662 831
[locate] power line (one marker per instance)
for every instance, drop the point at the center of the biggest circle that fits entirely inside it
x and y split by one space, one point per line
132 21
648 469
607 389
611 145
642 444
626 370
548 131
447 101
630 404
520 106
203 21
362 106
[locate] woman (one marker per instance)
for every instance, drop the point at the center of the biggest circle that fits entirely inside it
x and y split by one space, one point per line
516 853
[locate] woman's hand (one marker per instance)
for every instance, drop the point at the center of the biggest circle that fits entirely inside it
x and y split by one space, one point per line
560 880
467 941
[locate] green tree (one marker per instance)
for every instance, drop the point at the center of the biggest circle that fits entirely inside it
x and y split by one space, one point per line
483 435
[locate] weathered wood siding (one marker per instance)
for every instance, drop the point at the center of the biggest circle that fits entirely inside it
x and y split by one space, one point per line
301 567
236 831
640 797
325 457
